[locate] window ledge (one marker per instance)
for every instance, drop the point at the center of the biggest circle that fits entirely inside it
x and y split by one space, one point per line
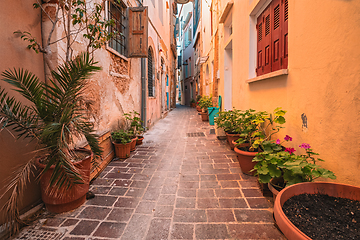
116 53
268 75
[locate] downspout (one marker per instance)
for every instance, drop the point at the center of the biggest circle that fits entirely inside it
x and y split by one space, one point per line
143 92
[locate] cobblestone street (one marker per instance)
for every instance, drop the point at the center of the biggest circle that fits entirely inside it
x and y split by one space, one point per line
172 187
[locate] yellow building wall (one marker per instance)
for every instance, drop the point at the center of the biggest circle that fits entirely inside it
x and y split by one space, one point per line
323 80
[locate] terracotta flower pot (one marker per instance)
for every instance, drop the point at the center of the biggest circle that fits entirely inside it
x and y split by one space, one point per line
230 137
122 150
272 187
192 105
64 200
204 116
331 189
198 108
133 144
139 140
245 161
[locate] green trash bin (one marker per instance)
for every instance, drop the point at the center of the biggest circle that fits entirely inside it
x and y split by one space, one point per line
213 112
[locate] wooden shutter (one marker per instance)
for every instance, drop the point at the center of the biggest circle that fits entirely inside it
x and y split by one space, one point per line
267 40
276 37
260 40
285 34
138 32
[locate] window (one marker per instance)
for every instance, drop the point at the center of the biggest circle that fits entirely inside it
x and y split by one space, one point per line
150 74
272 38
188 37
117 12
196 15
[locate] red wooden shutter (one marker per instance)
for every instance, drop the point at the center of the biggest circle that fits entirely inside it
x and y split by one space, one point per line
267 40
276 38
260 41
285 34
138 32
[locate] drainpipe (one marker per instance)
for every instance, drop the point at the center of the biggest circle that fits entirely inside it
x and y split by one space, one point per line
143 92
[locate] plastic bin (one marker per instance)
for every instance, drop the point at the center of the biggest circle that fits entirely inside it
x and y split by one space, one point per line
213 112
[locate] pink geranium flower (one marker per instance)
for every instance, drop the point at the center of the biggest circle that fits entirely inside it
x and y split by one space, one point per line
278 141
305 146
288 138
290 150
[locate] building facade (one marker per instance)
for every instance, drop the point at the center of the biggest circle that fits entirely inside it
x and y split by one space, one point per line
298 55
138 67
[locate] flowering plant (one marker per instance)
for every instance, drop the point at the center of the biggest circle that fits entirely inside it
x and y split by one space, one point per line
277 161
258 127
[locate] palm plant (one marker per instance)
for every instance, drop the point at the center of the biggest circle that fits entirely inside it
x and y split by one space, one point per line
57 117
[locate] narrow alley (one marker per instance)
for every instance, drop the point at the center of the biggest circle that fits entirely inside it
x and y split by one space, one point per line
177 185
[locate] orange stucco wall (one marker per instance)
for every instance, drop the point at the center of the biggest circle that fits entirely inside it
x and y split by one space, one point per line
15 15
323 80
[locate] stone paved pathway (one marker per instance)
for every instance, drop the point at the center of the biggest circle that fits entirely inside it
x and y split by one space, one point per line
172 187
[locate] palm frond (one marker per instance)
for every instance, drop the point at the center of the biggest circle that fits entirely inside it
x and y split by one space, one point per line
26 83
16 186
22 119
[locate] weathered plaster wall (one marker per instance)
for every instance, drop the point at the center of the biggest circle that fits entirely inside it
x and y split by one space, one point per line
14 16
159 40
323 80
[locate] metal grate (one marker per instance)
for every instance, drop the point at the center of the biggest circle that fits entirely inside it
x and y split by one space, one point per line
117 13
195 134
39 235
150 74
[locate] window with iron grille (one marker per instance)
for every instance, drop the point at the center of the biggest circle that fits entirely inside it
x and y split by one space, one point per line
150 74
117 13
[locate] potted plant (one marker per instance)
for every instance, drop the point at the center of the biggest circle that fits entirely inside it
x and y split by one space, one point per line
122 143
323 210
256 128
192 103
279 166
198 108
205 102
135 128
56 119
228 121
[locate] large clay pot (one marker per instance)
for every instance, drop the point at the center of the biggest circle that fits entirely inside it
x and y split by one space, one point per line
139 140
272 185
198 108
64 200
245 161
122 150
230 137
204 116
331 189
133 144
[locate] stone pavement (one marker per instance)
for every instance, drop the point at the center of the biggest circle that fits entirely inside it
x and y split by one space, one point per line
174 186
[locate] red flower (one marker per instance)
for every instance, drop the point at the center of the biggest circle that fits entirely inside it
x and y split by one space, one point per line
290 150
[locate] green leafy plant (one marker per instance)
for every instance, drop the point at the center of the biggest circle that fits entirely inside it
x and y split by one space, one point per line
78 19
198 97
205 102
57 116
192 100
134 123
229 121
258 127
121 136
277 161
